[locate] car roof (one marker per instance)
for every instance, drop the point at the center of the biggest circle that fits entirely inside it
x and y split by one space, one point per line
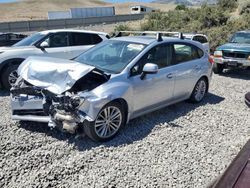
72 30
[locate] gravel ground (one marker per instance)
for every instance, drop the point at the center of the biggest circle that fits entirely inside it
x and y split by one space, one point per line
184 145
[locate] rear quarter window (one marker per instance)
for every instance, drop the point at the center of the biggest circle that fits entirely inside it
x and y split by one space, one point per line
186 52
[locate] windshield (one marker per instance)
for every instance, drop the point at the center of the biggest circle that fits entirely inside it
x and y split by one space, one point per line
241 38
28 41
111 56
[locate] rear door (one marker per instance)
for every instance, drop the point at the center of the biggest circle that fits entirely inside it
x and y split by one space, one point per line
187 68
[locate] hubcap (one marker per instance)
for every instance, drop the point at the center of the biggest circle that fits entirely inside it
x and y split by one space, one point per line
13 77
108 122
200 90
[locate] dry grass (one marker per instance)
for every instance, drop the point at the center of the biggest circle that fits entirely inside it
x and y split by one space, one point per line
37 9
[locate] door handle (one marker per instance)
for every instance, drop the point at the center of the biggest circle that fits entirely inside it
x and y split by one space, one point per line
170 75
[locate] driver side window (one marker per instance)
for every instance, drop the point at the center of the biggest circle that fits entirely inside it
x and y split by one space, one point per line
161 55
58 40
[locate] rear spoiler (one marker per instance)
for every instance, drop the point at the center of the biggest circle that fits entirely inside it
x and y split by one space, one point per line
158 34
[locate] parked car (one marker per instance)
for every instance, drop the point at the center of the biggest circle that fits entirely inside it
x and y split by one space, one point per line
110 84
234 54
62 43
199 38
8 39
247 99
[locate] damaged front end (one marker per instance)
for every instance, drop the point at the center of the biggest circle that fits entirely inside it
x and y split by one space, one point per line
60 105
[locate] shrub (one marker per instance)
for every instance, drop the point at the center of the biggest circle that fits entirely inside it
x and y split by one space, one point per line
244 8
213 21
181 7
122 27
228 4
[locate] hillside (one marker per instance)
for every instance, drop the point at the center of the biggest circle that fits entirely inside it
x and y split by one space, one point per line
186 2
38 9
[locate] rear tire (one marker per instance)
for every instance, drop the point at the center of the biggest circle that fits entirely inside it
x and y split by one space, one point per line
200 91
107 124
218 68
9 76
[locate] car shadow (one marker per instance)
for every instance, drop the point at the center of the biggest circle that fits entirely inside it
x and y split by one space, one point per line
137 129
237 73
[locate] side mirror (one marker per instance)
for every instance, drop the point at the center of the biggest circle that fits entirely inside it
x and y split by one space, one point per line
149 68
44 45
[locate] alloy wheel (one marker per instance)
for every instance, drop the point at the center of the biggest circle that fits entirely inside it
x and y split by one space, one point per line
108 122
200 90
13 77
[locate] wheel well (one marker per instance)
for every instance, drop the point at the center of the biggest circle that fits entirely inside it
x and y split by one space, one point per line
206 79
6 63
124 105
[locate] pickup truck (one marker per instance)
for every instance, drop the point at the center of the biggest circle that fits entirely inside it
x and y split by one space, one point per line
234 54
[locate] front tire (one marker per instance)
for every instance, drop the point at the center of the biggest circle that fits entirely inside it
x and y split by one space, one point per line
218 68
107 124
199 91
9 76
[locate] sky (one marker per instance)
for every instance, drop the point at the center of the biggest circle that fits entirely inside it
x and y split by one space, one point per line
7 1
113 1
122 1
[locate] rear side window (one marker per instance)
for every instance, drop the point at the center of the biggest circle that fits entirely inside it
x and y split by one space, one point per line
79 39
186 52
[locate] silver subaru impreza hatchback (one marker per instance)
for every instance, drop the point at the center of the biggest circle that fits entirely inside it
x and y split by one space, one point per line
110 84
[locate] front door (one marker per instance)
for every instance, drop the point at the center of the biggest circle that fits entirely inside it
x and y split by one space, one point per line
58 46
154 89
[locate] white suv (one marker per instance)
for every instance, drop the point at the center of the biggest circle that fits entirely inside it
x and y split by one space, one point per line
62 43
199 38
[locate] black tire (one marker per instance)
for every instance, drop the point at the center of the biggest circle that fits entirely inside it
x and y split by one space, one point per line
90 127
247 99
194 98
218 68
6 74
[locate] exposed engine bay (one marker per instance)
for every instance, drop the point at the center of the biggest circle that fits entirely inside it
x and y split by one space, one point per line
63 109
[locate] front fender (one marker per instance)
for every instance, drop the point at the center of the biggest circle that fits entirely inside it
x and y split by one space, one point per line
102 95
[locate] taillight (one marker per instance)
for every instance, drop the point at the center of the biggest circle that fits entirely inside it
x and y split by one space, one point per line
211 59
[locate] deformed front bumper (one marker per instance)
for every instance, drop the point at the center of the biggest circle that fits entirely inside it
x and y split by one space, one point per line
233 62
28 108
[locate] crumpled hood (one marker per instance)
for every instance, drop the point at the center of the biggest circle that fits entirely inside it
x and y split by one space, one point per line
54 74
235 47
